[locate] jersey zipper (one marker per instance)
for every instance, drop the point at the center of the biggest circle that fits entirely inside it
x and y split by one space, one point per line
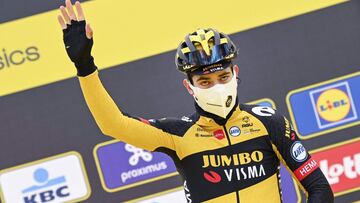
228 139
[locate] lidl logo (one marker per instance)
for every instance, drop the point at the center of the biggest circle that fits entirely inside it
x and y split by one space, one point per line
325 107
333 105
57 179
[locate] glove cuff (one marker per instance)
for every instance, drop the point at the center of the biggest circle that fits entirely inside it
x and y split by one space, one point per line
86 68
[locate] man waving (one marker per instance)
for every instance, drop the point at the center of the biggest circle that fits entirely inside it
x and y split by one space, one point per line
225 151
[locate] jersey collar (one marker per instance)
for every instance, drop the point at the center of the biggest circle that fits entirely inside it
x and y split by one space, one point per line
209 117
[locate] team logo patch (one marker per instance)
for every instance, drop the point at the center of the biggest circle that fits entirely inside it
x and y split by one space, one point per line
263 111
325 108
234 131
298 152
219 134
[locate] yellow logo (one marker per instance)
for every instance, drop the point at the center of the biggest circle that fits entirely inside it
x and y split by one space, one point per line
333 105
234 159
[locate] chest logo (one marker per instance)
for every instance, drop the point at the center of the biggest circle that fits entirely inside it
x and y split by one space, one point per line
219 134
234 131
263 111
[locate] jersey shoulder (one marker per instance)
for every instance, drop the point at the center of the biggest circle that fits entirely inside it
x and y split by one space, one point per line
271 118
175 126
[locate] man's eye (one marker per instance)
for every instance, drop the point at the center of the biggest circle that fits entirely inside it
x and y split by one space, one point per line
204 83
224 78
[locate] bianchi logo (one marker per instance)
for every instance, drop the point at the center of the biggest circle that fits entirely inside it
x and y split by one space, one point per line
240 172
263 111
57 180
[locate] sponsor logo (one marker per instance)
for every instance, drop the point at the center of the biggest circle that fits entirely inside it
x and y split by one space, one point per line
212 176
186 119
56 179
246 122
251 130
42 181
234 131
263 111
203 135
219 134
298 152
305 169
228 101
122 165
238 173
18 57
325 107
341 165
200 133
333 105
233 160
137 153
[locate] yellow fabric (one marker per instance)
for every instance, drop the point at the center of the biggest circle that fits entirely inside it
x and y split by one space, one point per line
266 189
231 197
113 123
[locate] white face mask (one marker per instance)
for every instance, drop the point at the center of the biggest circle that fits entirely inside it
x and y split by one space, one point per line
218 99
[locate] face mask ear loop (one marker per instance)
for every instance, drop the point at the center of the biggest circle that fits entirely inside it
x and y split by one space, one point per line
238 80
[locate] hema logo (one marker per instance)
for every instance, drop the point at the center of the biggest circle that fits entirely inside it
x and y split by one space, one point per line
57 180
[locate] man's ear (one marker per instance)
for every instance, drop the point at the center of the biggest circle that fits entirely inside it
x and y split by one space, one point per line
186 84
236 70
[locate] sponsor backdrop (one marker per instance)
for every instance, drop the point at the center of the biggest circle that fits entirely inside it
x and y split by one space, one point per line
301 57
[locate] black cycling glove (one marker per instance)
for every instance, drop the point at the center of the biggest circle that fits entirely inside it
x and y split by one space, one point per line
78 47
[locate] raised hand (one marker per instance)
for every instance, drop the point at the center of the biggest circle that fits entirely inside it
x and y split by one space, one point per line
78 37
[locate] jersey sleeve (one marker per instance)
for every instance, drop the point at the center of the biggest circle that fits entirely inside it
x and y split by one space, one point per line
113 122
298 161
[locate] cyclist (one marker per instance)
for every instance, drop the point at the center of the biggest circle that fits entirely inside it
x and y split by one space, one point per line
225 151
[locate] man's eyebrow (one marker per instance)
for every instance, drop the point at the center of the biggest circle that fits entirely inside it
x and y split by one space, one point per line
202 78
223 74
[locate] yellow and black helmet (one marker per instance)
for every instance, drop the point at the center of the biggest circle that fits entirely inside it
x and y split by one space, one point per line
204 47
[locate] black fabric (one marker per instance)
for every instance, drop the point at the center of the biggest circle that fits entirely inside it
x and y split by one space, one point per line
195 172
78 47
283 137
